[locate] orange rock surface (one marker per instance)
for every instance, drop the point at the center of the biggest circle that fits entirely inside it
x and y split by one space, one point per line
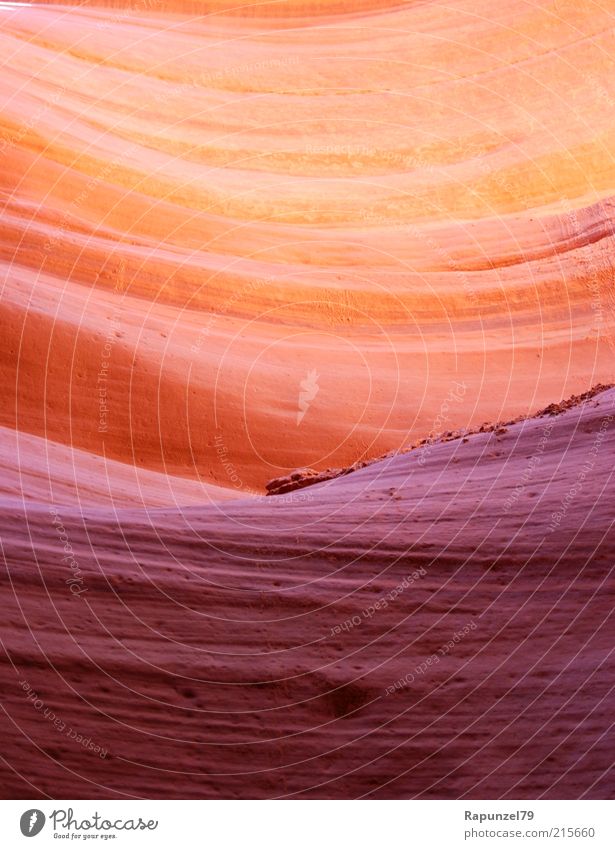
392 200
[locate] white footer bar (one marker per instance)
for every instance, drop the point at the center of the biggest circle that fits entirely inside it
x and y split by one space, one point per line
308 824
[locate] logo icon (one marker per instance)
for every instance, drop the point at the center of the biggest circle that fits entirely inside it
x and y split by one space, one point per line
309 390
32 822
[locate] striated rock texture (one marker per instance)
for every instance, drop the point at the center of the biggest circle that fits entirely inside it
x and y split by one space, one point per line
300 478
292 239
437 629
270 244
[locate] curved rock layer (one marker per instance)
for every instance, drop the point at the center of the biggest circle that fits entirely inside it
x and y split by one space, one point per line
238 242
307 227
438 624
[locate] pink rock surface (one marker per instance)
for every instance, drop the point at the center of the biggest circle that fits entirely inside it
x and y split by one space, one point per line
258 650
